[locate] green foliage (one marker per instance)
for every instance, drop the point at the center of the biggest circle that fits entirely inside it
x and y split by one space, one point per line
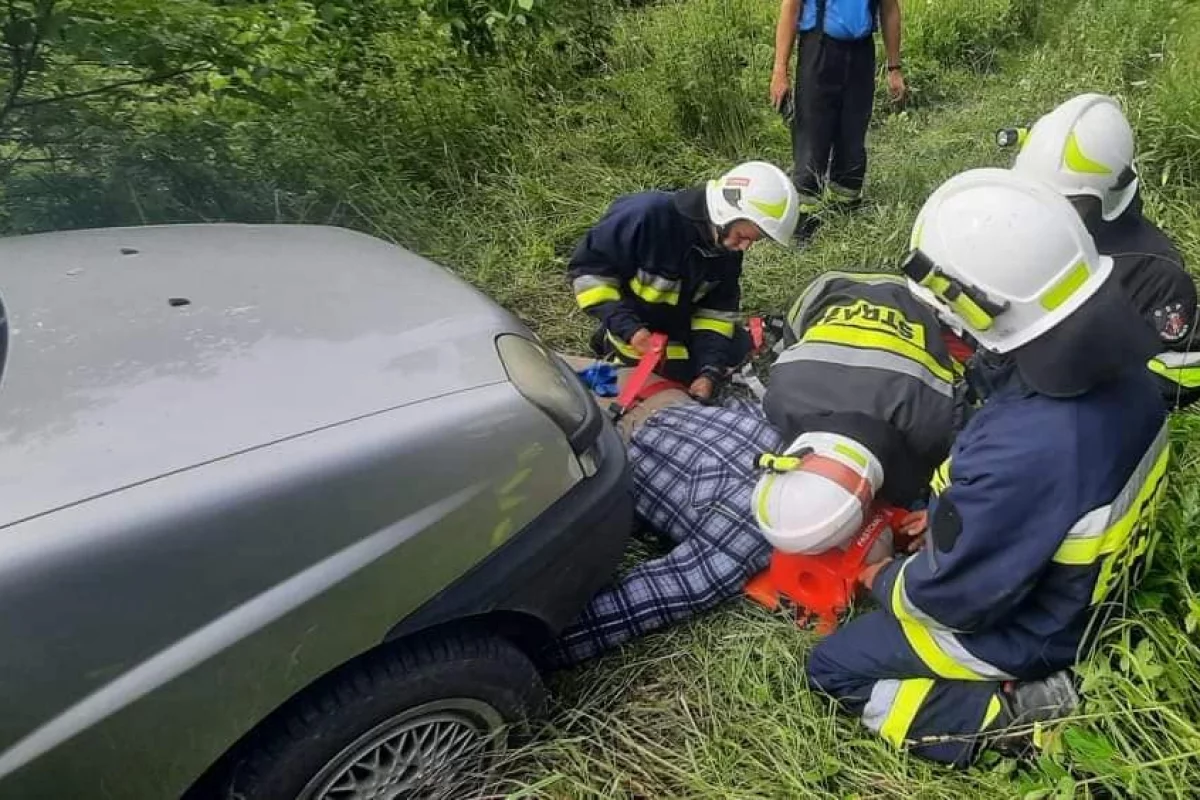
1170 118
969 35
114 108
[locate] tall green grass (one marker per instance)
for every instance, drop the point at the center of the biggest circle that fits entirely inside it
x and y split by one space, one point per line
718 708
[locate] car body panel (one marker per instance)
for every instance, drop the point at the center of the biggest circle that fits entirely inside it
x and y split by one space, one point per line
288 328
162 647
204 507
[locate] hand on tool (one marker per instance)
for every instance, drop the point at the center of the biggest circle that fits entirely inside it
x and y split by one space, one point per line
868 573
913 525
641 341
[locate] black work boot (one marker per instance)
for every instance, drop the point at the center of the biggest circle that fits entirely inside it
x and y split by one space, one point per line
806 226
1024 703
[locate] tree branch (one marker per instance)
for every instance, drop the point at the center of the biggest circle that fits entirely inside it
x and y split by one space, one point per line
150 79
22 64
42 160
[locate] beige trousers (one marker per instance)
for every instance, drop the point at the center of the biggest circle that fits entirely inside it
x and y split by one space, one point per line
643 409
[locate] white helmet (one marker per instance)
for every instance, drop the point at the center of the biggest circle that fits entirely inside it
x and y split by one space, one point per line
1084 147
1005 255
1011 259
759 192
815 496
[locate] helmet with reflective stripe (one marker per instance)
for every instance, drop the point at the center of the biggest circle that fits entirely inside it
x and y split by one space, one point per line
759 192
815 496
1084 147
1005 255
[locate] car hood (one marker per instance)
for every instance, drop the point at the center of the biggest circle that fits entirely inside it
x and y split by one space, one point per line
134 352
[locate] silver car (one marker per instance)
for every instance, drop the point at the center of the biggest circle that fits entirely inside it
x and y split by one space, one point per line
285 512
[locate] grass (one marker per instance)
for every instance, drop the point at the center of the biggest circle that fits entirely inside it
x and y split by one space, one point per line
718 708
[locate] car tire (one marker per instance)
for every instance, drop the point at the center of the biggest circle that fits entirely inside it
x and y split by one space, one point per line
423 720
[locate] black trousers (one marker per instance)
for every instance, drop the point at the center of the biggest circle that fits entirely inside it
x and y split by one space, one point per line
835 88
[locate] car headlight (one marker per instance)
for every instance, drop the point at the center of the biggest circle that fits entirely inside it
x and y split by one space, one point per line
546 381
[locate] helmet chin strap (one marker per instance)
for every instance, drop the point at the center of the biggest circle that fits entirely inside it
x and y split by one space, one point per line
716 249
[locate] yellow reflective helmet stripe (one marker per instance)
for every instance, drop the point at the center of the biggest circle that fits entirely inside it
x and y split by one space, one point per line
772 210
909 698
851 453
1075 159
765 489
597 295
878 340
918 229
1062 290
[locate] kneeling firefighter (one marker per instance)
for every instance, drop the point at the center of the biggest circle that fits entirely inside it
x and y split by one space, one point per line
1084 148
714 481
872 362
671 262
1046 500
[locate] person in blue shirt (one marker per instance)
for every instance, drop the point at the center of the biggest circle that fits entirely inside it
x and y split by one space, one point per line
830 106
1046 501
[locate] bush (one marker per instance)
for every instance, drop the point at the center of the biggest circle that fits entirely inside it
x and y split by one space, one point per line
959 33
1169 125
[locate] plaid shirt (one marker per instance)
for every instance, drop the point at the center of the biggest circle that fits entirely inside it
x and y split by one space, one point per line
693 475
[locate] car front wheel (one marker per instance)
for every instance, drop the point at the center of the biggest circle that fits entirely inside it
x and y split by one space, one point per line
424 720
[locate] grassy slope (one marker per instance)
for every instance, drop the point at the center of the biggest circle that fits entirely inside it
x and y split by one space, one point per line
718 708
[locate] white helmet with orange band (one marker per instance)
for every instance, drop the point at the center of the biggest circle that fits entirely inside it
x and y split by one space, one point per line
816 495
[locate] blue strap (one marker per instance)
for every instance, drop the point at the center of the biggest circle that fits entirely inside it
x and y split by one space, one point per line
600 378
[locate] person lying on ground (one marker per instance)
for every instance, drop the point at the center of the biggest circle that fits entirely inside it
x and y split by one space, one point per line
1084 148
1045 502
671 262
871 372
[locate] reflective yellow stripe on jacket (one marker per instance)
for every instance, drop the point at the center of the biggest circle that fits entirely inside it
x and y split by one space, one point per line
592 290
937 646
877 340
1120 532
655 288
1180 368
675 351
708 319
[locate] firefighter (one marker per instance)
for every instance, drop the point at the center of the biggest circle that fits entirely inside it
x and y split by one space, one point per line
1045 502
867 348
830 106
1084 148
671 263
703 476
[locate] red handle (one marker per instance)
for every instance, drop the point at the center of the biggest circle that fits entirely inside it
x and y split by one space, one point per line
756 333
645 368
